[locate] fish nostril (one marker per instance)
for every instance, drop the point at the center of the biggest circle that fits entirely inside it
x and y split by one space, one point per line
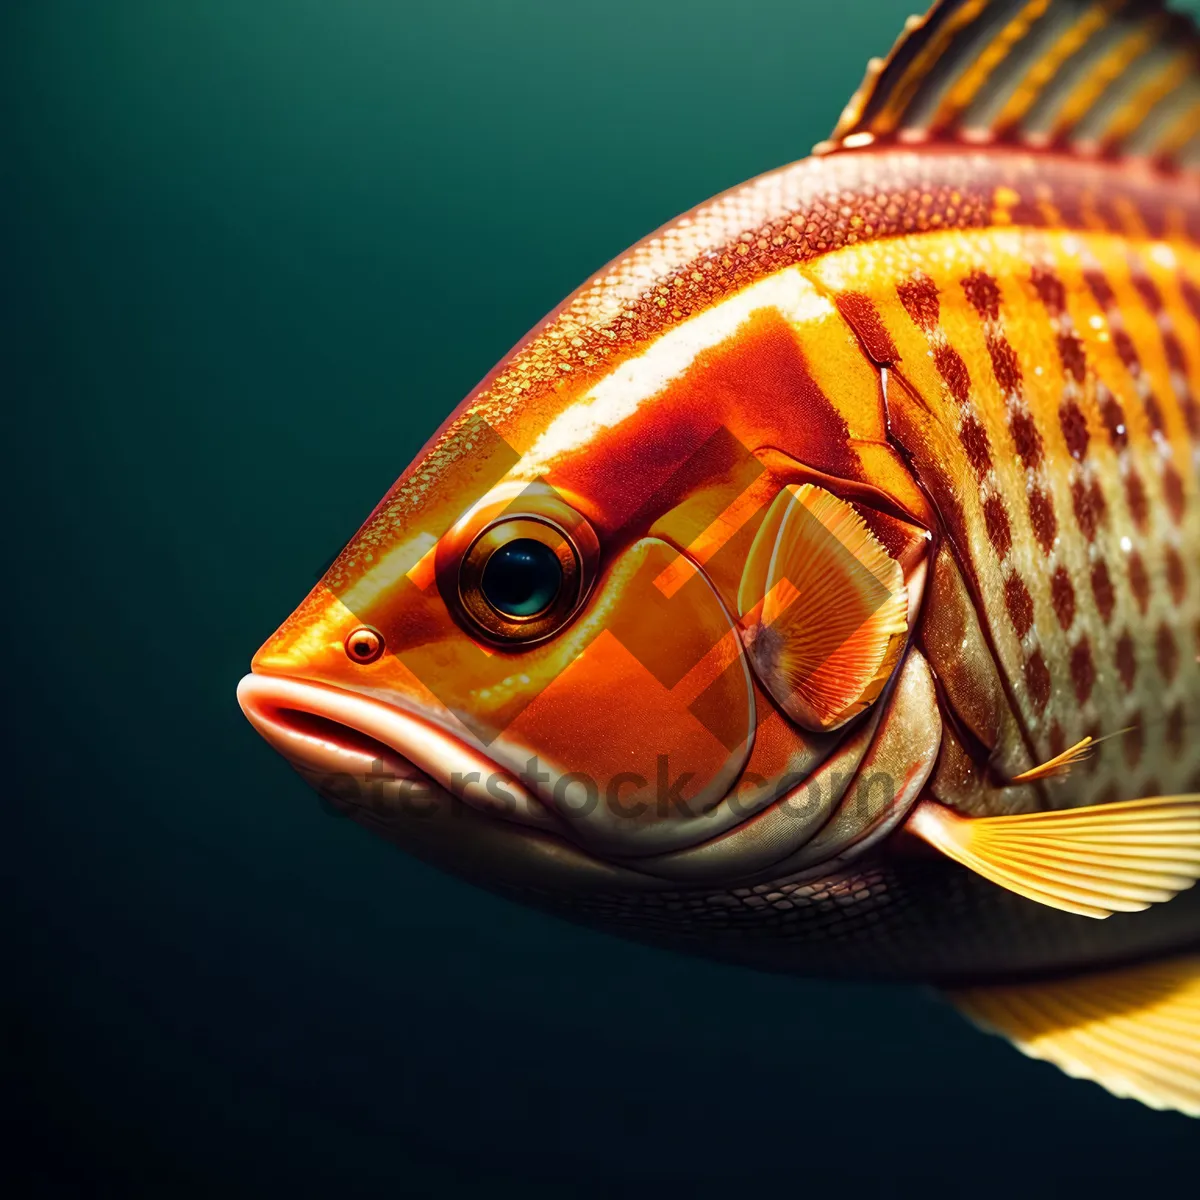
365 644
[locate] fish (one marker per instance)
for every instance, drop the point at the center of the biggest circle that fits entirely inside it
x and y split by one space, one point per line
817 588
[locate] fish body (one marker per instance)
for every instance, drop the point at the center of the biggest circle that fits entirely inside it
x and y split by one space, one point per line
818 587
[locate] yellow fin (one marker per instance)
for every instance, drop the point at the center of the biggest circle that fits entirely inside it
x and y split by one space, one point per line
825 608
1062 764
1059 765
1091 861
1135 1032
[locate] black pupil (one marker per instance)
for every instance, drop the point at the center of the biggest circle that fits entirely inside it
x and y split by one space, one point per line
522 578
362 649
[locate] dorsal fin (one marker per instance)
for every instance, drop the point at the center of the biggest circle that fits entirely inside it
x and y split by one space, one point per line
1114 77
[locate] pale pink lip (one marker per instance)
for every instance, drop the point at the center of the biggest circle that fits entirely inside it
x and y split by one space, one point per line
325 730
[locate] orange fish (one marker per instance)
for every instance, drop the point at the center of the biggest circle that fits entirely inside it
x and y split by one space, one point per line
818 587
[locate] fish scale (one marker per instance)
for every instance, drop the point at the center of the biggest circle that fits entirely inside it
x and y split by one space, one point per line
1018 396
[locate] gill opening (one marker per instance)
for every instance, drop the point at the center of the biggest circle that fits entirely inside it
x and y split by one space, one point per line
967 569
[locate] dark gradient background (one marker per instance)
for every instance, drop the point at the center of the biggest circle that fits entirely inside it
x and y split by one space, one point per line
254 251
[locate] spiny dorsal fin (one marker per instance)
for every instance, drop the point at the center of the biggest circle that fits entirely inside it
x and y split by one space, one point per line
1114 77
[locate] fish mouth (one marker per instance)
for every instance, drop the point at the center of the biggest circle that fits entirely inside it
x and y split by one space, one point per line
367 755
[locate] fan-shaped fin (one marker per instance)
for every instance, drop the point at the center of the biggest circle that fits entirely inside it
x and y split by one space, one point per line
1135 1032
824 608
1091 861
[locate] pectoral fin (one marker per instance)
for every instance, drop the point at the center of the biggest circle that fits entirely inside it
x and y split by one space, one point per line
1135 1032
1092 861
824 608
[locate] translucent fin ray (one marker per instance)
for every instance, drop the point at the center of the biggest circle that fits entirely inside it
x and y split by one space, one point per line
1135 1032
1059 765
1119 77
1090 861
824 608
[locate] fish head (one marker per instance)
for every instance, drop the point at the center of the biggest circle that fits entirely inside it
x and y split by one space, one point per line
536 660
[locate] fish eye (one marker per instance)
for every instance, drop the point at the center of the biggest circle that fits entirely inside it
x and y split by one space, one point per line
364 644
521 578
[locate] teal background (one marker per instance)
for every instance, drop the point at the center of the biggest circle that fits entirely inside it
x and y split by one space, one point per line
254 250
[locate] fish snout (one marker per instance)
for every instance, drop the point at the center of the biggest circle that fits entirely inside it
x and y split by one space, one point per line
371 757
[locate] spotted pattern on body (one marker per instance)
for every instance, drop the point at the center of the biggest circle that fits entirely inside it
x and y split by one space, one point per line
1076 355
